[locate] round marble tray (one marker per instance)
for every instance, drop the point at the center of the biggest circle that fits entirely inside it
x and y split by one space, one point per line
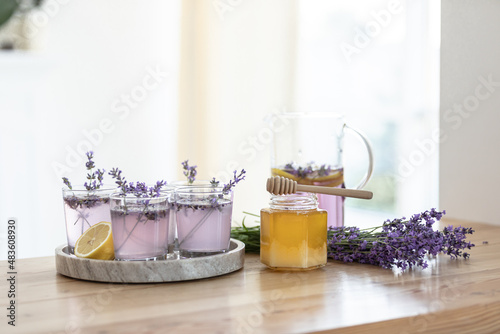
150 271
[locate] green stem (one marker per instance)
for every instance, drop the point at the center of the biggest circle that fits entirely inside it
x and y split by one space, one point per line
251 214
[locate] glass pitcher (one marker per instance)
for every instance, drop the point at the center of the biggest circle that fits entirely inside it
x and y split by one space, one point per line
307 148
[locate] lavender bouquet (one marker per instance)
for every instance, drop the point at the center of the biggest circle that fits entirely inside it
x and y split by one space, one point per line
189 171
400 242
94 182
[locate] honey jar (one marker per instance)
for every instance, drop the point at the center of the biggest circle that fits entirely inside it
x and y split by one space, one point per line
293 233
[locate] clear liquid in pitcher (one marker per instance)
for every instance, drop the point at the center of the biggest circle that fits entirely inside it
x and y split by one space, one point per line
319 175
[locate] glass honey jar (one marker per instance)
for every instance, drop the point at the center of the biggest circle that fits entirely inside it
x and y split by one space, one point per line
293 233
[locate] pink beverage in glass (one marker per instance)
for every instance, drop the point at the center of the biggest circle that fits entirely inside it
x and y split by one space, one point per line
140 231
204 229
168 191
82 209
172 232
334 205
203 216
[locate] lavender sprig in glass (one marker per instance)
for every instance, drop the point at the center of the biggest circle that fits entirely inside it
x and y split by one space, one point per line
94 178
214 200
232 183
214 182
87 205
139 218
95 181
309 170
121 182
189 171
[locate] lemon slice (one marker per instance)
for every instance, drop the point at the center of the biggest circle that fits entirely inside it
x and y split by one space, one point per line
96 243
331 180
280 172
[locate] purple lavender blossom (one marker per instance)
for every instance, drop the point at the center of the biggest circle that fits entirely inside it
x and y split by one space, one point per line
95 178
189 171
139 189
214 182
115 173
155 190
67 183
309 170
324 170
399 242
236 178
214 201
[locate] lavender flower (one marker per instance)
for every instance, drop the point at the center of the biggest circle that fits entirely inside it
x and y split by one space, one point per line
95 178
309 170
67 183
236 178
304 171
214 182
81 202
324 170
154 191
139 189
189 171
214 201
399 242
115 173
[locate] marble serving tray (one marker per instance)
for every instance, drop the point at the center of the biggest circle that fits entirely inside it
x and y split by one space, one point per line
150 271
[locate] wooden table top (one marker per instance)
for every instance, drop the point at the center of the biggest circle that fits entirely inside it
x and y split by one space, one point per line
451 296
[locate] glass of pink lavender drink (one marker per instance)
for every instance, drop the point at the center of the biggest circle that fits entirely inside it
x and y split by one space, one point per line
84 208
203 216
140 226
173 245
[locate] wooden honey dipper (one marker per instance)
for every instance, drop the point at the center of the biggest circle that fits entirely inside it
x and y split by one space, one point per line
279 185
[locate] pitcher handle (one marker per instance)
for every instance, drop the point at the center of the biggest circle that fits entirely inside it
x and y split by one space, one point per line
369 172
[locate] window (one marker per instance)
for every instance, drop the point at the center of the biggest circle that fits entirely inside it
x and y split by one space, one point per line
377 63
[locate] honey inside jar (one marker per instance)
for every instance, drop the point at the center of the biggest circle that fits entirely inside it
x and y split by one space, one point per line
293 233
